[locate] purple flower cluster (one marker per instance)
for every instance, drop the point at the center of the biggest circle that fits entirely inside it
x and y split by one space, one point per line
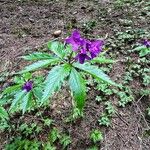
146 43
86 49
28 86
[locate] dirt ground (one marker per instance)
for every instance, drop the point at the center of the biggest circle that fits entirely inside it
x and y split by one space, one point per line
25 25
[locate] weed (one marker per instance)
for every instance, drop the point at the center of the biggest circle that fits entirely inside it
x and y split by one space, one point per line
96 136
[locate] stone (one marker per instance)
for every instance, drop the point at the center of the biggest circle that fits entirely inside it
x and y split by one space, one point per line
57 33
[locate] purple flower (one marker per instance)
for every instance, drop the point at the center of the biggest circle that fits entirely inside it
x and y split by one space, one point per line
146 43
82 57
95 47
75 40
28 86
86 49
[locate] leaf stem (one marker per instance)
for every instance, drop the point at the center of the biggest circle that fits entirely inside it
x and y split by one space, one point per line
70 57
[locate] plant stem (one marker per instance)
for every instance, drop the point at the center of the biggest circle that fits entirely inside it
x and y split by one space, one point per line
70 57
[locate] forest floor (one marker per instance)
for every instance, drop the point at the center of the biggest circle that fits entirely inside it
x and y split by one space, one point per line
26 25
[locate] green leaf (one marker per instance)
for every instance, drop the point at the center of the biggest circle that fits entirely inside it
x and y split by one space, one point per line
39 64
25 102
93 148
68 49
54 135
37 91
48 146
77 86
12 89
96 72
65 140
19 80
144 52
54 80
96 136
18 97
3 113
139 48
37 56
102 60
57 48
27 76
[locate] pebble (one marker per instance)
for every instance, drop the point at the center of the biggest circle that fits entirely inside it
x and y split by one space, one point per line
57 33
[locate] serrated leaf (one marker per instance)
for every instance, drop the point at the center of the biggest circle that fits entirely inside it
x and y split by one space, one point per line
96 72
37 56
77 86
39 64
57 48
65 140
54 135
48 146
102 60
19 80
12 89
38 92
54 80
139 48
3 113
143 50
18 97
4 100
25 102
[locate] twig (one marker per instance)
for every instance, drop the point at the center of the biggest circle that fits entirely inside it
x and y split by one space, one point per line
120 117
139 99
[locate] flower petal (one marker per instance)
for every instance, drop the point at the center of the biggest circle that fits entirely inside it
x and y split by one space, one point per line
28 86
82 57
95 47
146 43
76 34
75 40
74 45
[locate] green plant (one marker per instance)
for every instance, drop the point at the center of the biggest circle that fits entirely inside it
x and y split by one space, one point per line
23 144
88 26
110 108
93 148
54 135
128 77
64 68
96 136
48 122
48 146
65 140
4 125
99 99
26 92
124 99
104 120
76 114
144 92
29 129
3 113
104 87
143 50
146 79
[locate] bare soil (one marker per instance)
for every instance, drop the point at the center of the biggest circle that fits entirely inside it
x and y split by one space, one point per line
25 25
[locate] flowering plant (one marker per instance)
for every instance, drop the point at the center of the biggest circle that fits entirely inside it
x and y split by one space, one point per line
25 91
67 62
83 47
144 48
